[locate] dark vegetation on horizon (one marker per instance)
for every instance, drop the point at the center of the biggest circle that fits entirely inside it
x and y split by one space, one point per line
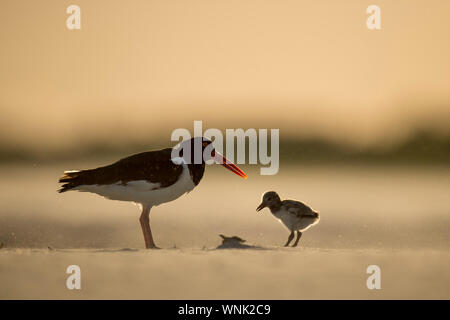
422 148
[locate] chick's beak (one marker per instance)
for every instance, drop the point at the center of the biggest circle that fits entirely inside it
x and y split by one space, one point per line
261 206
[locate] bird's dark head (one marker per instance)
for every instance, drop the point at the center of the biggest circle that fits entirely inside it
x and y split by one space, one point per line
198 151
270 199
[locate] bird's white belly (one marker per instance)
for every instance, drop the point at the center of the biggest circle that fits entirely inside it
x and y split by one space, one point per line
293 222
143 191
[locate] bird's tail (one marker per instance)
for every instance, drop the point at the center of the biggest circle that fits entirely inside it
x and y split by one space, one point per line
317 214
70 179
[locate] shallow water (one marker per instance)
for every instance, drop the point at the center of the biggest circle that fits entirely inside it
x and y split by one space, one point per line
397 218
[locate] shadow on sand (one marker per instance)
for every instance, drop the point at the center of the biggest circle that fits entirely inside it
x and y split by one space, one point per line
236 242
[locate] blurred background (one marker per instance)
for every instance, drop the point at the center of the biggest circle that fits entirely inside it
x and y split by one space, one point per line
359 111
134 72
356 103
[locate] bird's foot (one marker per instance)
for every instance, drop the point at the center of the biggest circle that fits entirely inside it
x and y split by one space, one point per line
153 247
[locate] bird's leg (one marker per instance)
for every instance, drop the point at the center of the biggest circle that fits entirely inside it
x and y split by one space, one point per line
291 236
145 224
299 235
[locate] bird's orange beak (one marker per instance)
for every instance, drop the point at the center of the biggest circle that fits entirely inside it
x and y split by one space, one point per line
220 159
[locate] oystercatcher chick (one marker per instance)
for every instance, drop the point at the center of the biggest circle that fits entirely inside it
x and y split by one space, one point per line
150 178
295 215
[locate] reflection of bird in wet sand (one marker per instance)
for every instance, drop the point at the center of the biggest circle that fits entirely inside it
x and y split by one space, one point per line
295 215
150 178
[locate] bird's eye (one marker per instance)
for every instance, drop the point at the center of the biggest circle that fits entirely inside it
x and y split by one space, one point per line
205 144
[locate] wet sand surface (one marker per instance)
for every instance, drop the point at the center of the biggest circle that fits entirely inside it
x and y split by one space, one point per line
395 218
225 274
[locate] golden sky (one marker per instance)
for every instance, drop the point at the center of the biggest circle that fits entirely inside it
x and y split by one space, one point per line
139 69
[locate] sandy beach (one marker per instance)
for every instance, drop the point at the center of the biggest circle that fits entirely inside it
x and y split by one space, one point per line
405 231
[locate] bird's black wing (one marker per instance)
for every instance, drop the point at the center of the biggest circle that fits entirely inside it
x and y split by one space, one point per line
153 166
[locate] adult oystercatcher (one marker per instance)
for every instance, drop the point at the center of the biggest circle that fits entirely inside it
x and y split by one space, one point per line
150 178
295 215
